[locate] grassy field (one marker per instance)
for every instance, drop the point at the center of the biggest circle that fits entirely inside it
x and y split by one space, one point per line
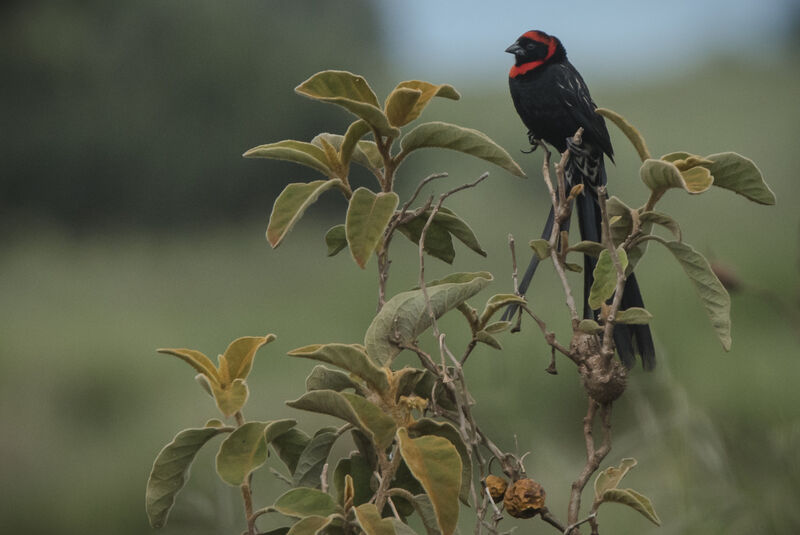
87 403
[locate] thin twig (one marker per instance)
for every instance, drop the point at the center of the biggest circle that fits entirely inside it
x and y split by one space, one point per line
608 330
513 263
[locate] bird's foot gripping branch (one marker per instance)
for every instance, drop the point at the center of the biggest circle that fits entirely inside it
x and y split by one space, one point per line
417 449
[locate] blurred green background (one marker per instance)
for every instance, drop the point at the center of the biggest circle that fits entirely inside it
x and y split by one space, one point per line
131 222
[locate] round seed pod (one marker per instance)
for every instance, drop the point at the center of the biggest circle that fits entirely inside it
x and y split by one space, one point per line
524 498
497 487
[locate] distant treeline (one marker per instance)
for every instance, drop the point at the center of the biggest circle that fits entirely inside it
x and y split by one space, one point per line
137 113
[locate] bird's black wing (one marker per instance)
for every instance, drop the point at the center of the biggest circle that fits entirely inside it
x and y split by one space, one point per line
577 100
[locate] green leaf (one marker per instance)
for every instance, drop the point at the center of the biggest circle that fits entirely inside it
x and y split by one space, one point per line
662 219
367 217
739 174
406 314
311 462
589 327
659 176
350 141
231 397
402 528
575 268
407 380
171 470
350 408
277 428
335 239
291 204
623 227
712 293
303 502
611 477
591 248
605 277
242 452
351 92
428 427
633 499
289 446
294 151
435 463
633 316
424 507
371 522
438 241
458 138
350 357
498 327
488 339
449 221
322 378
196 360
356 467
628 129
237 360
541 248
496 303
310 525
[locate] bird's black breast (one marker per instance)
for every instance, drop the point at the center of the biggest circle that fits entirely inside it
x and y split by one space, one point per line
553 102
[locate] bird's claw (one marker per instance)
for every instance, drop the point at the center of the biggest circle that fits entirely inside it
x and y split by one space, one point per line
534 141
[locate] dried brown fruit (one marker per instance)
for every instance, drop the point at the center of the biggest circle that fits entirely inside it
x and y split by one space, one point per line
524 498
497 487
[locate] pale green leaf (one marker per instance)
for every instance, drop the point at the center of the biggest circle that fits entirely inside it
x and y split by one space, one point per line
605 277
304 502
712 293
662 219
350 408
589 327
486 338
367 217
350 357
322 378
628 129
242 452
611 477
310 525
633 499
541 248
591 248
351 92
435 463
494 304
277 428
335 239
171 470
461 139
311 462
294 151
407 316
498 327
292 203
289 446
739 174
633 316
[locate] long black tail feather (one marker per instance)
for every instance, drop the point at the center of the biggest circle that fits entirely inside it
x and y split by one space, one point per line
629 339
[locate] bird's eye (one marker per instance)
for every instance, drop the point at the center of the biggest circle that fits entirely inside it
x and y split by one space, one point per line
530 46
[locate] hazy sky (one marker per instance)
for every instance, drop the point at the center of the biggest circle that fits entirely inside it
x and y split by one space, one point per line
457 40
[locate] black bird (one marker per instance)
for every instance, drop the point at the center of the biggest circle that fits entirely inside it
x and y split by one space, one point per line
553 101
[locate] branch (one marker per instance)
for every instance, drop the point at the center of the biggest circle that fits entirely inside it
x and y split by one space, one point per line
608 332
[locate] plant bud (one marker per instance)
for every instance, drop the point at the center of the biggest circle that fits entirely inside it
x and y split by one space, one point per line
524 498
497 487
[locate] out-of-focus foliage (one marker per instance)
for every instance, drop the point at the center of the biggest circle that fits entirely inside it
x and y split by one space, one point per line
137 112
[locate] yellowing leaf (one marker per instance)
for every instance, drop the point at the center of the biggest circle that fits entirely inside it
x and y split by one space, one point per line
412 109
196 360
435 463
291 204
633 499
238 357
232 397
294 151
399 105
659 176
371 522
628 129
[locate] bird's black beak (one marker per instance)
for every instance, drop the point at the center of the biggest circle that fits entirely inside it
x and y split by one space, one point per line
515 49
